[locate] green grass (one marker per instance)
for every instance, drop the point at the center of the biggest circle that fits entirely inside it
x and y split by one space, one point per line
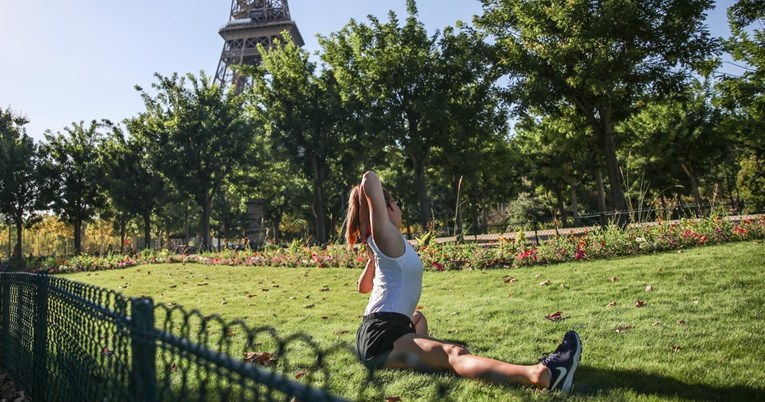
699 336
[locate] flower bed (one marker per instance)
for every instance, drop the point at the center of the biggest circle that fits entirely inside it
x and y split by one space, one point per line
513 251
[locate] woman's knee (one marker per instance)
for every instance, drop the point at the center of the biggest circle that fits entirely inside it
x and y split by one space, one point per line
454 350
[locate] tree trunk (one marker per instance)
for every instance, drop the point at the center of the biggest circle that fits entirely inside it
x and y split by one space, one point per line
123 234
206 205
457 186
147 230
694 185
601 197
614 174
17 251
77 236
575 206
422 195
561 207
318 202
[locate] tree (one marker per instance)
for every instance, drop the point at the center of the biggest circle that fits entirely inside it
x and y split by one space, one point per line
19 173
301 110
390 72
744 96
680 135
198 131
74 175
133 183
600 57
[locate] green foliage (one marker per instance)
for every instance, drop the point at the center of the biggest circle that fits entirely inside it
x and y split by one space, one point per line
599 58
20 178
74 174
196 131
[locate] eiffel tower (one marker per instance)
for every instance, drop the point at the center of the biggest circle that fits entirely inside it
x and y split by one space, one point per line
252 22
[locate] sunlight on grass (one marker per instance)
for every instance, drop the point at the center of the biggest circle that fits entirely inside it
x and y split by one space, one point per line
698 334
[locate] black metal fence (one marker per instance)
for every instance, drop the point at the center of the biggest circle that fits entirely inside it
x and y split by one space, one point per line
67 341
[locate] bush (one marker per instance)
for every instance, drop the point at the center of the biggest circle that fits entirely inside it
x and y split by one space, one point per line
513 251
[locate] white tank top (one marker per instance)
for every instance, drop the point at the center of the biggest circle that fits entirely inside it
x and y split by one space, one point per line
397 283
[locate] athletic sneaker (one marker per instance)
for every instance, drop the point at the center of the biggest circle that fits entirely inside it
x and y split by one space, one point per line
563 362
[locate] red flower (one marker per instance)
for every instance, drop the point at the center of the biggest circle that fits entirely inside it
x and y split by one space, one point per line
438 266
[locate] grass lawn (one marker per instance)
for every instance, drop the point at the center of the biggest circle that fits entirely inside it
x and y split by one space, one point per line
700 334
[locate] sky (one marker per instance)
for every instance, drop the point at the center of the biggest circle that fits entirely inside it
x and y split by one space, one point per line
79 60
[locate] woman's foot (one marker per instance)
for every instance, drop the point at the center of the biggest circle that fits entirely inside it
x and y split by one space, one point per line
563 362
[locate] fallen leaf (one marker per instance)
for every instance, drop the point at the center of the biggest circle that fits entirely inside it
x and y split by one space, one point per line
639 303
556 316
173 286
222 302
265 289
250 295
694 302
392 399
681 322
613 279
622 328
310 305
324 317
563 286
324 289
106 352
202 284
656 323
545 282
299 374
275 286
229 333
510 280
612 304
418 308
675 348
342 332
648 288
263 358
172 368
537 275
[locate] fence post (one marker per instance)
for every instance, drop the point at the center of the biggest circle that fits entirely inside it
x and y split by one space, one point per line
40 342
5 315
143 377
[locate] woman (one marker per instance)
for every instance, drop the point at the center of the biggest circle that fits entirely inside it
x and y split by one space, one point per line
395 336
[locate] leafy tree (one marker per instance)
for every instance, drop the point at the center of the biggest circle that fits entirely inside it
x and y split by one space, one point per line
391 73
74 174
680 135
744 96
19 173
132 181
301 110
599 57
199 133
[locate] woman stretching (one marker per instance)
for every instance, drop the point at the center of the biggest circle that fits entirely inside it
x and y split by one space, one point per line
395 336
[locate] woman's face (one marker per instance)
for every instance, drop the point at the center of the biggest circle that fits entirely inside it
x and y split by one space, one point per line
394 213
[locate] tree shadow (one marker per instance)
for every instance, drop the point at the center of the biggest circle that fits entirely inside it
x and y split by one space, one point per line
591 381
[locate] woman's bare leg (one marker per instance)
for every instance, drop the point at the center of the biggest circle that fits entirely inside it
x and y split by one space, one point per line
426 354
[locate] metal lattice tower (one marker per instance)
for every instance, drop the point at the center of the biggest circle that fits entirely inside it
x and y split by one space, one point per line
252 22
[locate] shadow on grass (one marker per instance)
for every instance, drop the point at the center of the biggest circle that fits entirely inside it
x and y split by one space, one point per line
593 381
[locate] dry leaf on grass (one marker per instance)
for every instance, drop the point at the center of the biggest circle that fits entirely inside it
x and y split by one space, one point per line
648 288
545 282
675 348
612 304
556 316
681 322
639 303
392 399
622 328
262 358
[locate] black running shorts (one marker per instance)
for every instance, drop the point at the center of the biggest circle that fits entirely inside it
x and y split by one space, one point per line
375 336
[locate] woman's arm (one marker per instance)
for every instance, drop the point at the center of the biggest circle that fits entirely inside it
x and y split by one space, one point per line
386 234
365 282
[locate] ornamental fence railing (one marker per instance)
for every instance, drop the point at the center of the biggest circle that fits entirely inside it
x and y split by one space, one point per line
62 340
